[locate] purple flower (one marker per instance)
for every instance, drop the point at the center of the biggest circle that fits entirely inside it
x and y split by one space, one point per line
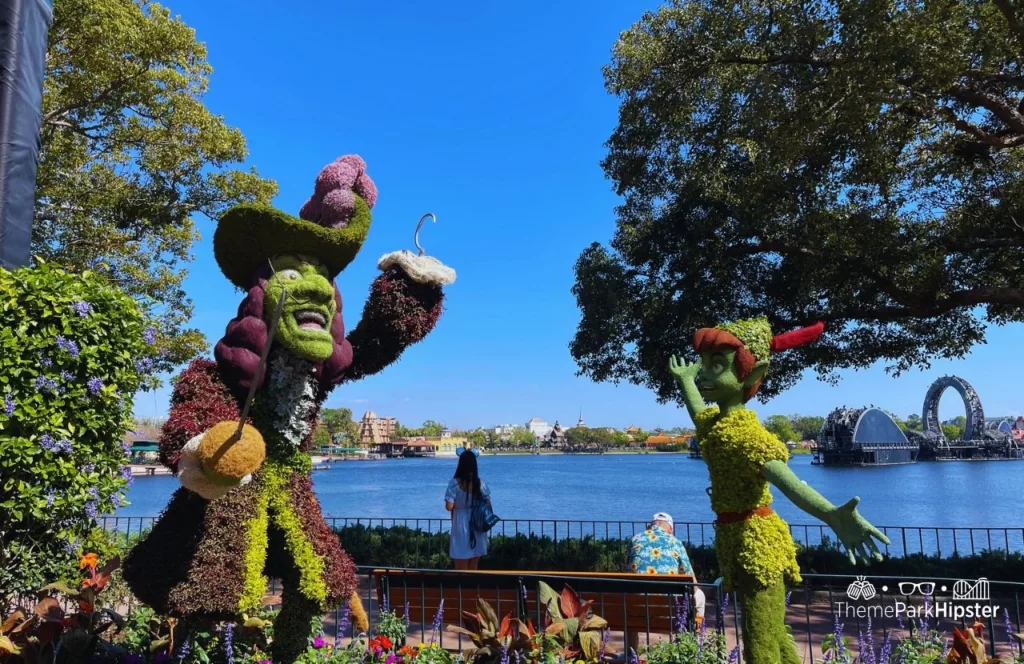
319 642
504 655
185 649
229 643
67 345
118 500
343 623
1008 626
149 335
886 652
94 493
9 404
88 468
46 442
837 630
94 385
91 509
51 496
680 623
734 655
44 384
82 308
788 595
67 375
126 445
633 659
63 445
145 365
45 362
435 627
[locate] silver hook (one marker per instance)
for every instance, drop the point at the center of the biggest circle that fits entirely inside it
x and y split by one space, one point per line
416 237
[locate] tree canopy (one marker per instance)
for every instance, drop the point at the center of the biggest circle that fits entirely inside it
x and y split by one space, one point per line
130 156
340 425
854 162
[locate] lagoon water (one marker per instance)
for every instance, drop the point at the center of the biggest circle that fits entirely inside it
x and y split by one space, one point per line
613 487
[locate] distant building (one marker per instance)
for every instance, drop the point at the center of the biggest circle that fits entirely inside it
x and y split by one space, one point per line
446 433
505 430
375 430
555 438
580 424
538 427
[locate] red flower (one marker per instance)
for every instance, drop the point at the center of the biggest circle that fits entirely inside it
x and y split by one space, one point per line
385 642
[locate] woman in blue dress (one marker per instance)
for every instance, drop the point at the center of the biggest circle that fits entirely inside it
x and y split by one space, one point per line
465 490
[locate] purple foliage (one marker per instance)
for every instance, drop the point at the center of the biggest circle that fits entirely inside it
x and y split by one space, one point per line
44 384
734 655
185 649
46 442
504 655
63 445
886 652
229 643
144 365
67 375
9 404
95 385
837 631
45 362
149 335
51 496
91 509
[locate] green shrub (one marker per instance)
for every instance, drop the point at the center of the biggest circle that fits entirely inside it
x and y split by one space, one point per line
73 352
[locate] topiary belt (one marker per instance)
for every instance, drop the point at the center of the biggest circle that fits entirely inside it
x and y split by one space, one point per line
736 517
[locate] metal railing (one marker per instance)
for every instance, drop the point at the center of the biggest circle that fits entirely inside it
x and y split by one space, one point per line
905 540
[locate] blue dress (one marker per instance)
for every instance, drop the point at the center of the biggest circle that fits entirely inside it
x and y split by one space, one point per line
459 546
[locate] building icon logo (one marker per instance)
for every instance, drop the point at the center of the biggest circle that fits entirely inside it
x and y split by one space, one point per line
971 590
861 588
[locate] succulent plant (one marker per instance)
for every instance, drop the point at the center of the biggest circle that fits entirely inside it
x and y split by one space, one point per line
581 631
494 640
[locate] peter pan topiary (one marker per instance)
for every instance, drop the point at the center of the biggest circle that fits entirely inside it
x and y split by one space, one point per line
239 520
755 551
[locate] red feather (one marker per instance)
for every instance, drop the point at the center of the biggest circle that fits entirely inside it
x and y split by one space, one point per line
796 338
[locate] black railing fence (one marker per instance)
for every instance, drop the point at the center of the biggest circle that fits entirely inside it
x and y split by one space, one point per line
905 540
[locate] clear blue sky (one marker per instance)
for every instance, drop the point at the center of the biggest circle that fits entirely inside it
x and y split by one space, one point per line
493 116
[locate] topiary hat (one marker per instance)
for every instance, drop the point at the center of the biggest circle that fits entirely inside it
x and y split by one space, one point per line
331 227
756 335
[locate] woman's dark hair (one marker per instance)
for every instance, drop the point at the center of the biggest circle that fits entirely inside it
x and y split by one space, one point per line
467 474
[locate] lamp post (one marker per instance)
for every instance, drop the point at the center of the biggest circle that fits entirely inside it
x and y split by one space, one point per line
23 28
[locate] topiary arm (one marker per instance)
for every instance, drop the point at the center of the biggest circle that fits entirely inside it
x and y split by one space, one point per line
404 305
853 530
200 400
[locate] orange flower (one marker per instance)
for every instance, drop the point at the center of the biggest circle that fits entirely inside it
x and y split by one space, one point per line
86 607
88 560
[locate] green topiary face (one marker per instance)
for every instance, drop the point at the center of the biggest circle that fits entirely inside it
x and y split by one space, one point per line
717 379
305 325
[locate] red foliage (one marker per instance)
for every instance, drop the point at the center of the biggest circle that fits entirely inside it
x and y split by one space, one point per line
200 400
796 338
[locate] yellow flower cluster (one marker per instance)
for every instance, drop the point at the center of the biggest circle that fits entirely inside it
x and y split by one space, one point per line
736 447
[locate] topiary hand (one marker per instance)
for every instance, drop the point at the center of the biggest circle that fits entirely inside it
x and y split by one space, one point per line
854 531
684 373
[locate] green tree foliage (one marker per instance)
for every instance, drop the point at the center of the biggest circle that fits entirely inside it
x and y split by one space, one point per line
130 155
478 438
523 438
914 422
848 162
807 427
321 436
431 429
781 426
73 352
340 425
952 431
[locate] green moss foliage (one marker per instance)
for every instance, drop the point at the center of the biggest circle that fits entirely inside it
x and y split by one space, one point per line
73 352
248 234
756 333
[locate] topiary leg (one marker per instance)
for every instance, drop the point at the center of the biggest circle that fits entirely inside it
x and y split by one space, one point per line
297 621
763 621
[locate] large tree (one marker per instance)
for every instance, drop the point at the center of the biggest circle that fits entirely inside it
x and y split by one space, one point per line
856 162
130 156
340 424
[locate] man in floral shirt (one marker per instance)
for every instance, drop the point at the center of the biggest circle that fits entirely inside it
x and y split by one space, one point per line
657 551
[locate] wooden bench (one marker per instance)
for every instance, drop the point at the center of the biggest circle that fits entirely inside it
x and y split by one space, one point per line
631 603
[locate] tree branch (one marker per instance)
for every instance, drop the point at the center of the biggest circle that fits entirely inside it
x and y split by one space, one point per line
993 103
1010 13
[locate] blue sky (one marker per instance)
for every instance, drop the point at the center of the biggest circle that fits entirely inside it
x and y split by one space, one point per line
493 116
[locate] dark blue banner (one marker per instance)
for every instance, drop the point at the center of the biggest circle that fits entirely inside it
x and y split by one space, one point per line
23 28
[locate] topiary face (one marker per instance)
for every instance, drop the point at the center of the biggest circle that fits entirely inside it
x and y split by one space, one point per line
305 325
717 379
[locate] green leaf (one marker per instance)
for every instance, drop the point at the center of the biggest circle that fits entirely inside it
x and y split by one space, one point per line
549 598
590 642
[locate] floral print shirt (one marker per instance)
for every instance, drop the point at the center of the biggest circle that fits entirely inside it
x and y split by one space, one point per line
655 551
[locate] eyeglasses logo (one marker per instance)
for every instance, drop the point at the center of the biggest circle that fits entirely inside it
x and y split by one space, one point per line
924 588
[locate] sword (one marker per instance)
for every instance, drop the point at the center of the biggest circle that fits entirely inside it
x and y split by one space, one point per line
263 362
